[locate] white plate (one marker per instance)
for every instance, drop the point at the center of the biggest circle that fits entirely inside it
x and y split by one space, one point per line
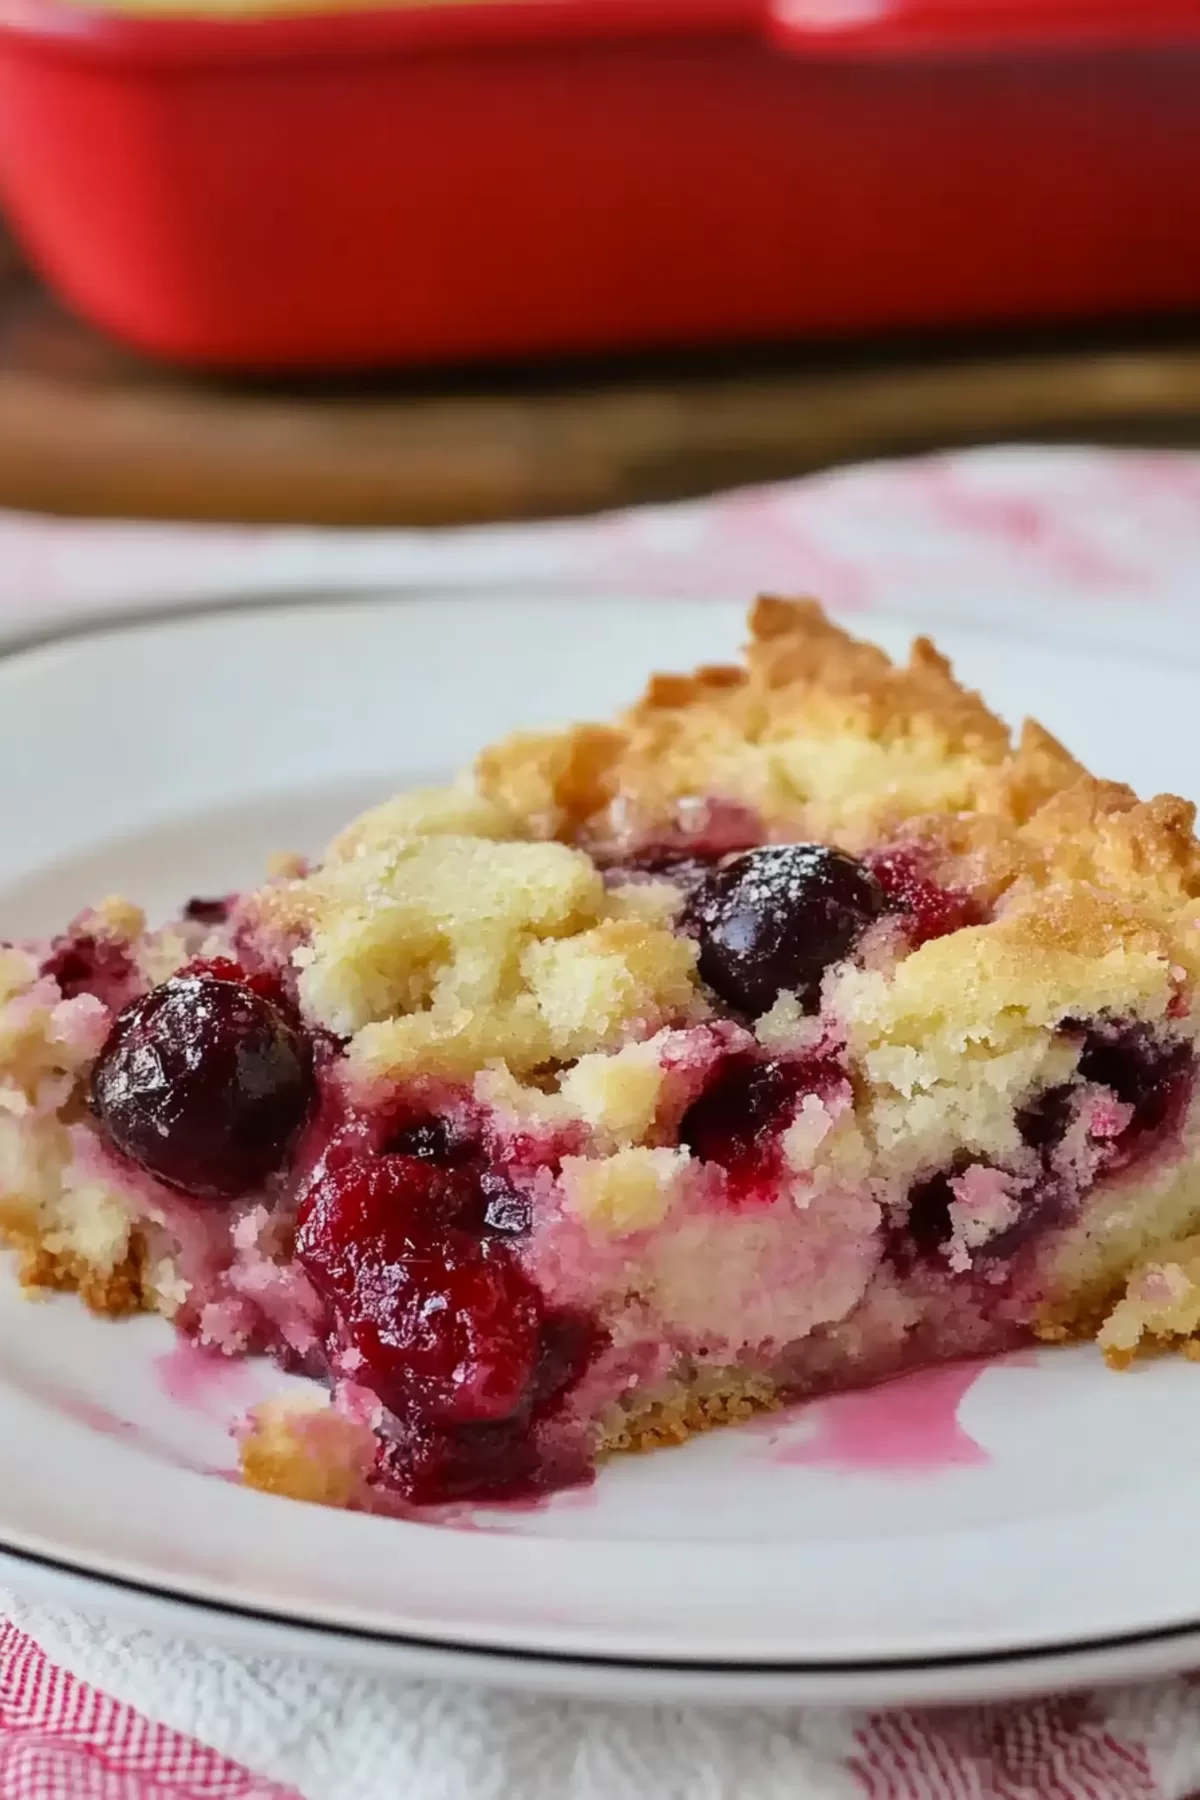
1044 1536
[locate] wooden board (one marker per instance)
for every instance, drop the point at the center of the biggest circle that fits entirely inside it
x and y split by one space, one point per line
87 428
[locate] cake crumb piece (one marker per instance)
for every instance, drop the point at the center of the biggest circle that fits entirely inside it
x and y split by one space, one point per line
298 1446
618 1095
1160 1307
110 1293
629 1191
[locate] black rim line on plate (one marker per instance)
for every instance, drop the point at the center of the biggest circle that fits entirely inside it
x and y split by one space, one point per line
575 1659
116 621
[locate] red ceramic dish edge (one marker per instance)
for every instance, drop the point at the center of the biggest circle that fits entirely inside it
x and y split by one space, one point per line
498 178
833 28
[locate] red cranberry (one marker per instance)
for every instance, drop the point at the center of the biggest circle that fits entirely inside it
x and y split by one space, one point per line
775 918
450 1331
505 1459
746 1099
931 910
446 1324
366 1210
204 1082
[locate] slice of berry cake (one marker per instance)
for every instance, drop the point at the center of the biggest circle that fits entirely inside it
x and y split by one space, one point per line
795 1030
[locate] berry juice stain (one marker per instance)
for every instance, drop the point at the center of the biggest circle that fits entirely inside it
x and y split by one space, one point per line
905 1426
202 1381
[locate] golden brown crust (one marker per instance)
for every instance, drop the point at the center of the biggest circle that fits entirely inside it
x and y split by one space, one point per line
682 1408
304 1450
115 1293
821 735
803 678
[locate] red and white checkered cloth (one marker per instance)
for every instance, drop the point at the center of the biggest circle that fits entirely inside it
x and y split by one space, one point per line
61 1740
92 1710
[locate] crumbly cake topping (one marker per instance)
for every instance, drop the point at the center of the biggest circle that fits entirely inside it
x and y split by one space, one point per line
821 737
441 954
816 728
447 931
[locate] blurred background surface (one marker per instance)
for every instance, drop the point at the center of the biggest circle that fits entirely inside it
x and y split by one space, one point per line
603 251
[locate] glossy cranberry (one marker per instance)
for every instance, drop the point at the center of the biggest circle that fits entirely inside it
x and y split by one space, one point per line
85 964
365 1211
204 1082
446 1323
774 919
503 1459
449 1330
930 910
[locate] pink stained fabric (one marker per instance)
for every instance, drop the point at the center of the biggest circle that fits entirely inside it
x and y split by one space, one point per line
61 1740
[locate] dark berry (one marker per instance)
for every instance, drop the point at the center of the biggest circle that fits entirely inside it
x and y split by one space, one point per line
927 1227
204 1082
745 1100
570 1343
206 912
774 919
1150 1074
1044 1123
736 1121
929 1203
930 910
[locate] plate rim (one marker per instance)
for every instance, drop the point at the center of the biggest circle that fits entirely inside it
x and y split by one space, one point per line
211 1606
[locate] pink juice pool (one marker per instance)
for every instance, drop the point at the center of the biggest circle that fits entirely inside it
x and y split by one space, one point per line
908 1424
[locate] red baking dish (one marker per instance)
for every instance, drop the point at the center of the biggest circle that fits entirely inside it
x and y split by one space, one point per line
495 178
